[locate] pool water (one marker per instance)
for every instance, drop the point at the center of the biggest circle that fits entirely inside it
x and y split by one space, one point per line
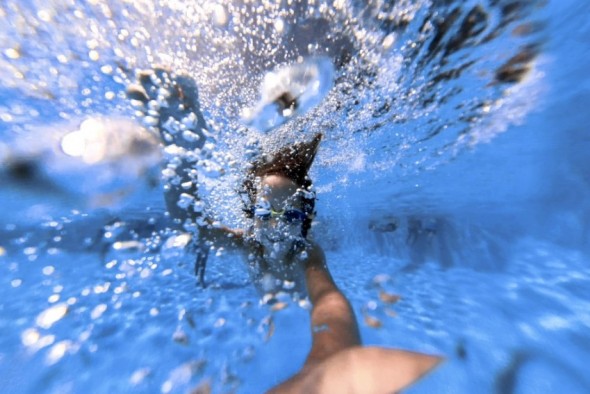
453 173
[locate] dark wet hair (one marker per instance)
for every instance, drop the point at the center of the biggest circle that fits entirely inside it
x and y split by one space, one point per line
292 162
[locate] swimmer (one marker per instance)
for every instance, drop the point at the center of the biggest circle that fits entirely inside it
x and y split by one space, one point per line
337 363
279 199
282 206
277 237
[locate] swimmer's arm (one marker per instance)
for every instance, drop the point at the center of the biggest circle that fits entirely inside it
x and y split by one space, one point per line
336 362
219 237
333 323
223 236
336 350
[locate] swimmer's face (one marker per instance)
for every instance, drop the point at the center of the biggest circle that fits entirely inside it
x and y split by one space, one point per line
277 231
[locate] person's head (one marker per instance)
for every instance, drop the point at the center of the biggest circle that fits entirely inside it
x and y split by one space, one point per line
279 215
278 192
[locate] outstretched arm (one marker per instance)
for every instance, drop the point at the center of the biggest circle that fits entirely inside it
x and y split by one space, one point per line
222 236
333 324
218 236
337 363
170 105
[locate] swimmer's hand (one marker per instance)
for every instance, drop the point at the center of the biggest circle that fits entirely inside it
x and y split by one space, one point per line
176 93
168 106
336 362
170 103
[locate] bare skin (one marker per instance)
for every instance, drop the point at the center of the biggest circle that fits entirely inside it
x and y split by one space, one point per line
267 236
337 362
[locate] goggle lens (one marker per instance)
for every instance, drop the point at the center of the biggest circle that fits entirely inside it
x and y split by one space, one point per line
294 215
289 215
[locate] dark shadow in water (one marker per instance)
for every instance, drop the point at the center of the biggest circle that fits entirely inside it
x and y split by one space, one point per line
445 240
510 379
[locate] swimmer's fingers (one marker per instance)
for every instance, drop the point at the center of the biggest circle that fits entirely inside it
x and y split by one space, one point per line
161 95
145 88
163 85
138 93
187 90
150 84
154 78
168 103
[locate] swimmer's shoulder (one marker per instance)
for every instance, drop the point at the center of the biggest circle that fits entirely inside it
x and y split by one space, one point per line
362 370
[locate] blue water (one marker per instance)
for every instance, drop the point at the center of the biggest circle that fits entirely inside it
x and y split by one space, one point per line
467 196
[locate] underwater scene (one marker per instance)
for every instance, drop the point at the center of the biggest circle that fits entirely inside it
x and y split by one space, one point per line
451 189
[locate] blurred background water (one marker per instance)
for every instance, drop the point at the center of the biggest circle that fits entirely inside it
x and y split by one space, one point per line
453 173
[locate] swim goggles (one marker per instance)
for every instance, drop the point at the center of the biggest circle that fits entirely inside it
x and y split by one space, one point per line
264 211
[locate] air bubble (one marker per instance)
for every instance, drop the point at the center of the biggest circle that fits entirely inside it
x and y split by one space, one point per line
93 55
98 311
12 53
59 350
279 25
52 315
388 41
49 270
220 17
52 299
107 69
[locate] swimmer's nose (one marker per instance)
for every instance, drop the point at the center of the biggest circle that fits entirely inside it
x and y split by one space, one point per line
273 223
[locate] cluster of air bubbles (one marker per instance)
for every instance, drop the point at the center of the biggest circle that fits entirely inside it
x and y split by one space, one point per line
130 287
406 82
